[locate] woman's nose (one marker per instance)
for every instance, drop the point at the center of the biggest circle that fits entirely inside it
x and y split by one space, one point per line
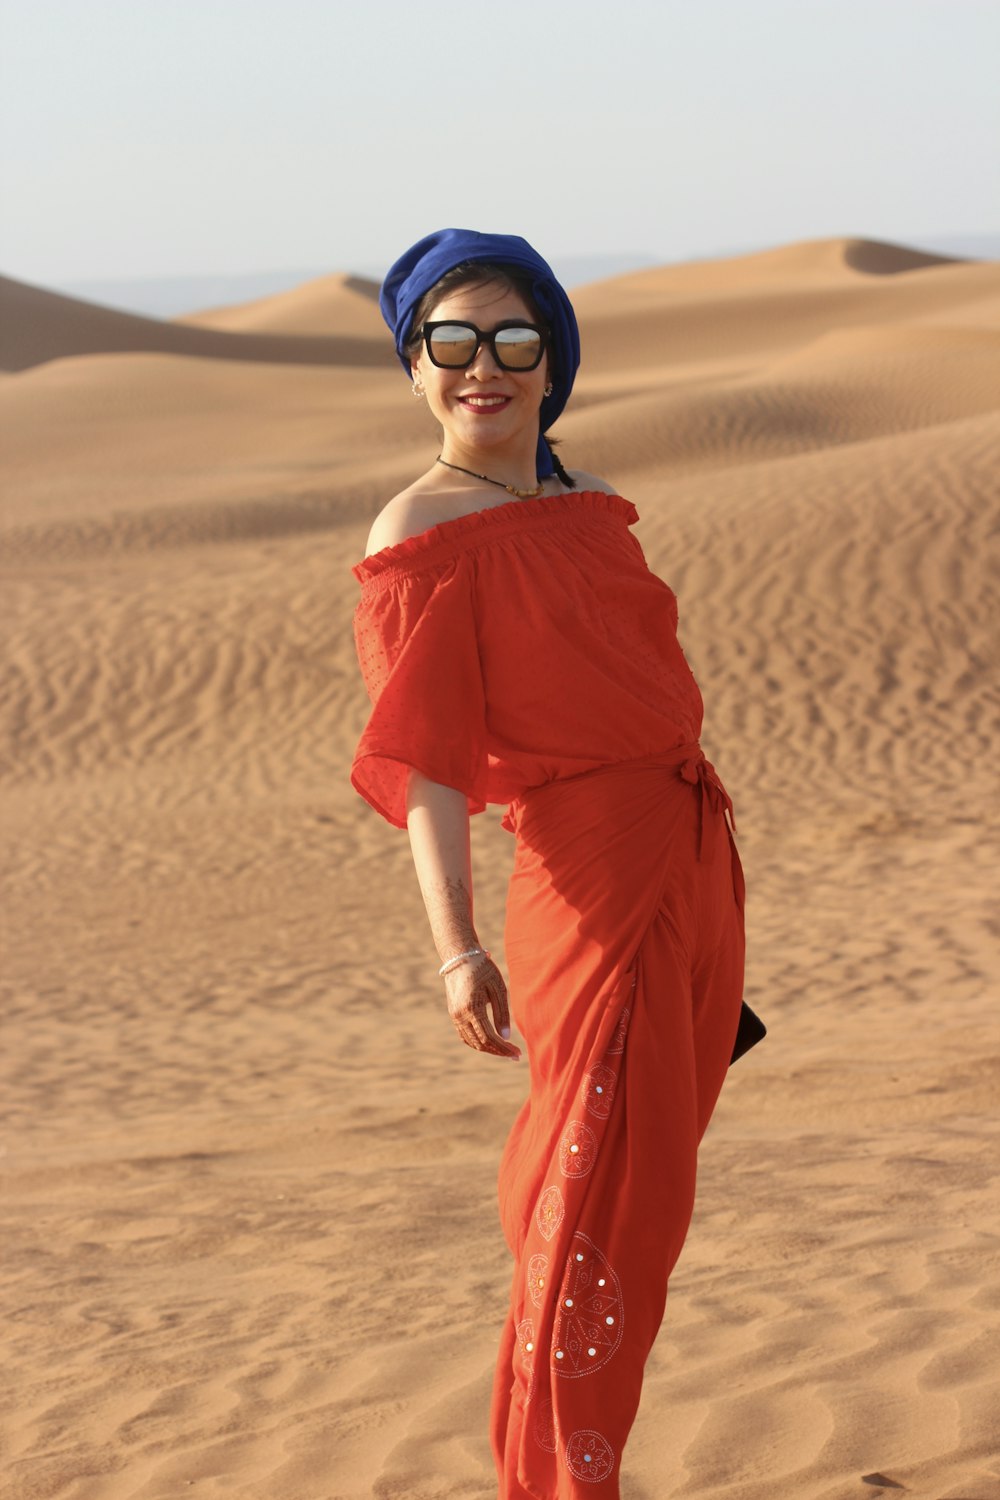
484 366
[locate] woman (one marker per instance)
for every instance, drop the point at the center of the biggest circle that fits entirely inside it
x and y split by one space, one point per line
518 650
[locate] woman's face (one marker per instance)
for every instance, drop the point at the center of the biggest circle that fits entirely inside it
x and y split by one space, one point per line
483 406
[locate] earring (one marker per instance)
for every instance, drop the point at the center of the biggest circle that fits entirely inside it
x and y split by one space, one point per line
548 389
416 390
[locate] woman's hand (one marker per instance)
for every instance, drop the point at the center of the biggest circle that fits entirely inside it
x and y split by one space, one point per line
475 988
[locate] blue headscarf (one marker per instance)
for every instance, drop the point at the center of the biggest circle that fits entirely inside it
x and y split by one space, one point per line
423 265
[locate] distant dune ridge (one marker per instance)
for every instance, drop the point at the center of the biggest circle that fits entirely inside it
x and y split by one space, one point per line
37 326
251 1243
332 305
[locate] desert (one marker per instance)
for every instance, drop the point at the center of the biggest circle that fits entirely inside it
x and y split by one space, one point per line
250 1237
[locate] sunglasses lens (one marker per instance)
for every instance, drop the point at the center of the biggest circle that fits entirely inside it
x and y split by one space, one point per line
519 348
452 345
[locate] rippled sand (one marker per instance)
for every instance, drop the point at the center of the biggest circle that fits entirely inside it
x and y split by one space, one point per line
250 1240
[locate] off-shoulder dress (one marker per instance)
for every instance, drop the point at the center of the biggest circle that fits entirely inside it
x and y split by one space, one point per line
526 655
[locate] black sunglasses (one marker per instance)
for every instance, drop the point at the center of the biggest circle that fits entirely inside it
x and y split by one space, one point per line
514 345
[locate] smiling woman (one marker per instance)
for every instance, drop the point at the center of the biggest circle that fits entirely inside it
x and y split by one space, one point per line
518 650
514 341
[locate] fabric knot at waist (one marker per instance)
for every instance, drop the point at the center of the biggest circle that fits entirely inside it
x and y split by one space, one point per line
687 762
698 771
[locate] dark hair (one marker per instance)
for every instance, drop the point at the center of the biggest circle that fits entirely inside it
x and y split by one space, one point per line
470 273
479 273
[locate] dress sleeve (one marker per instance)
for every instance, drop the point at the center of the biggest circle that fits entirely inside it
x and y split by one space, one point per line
417 646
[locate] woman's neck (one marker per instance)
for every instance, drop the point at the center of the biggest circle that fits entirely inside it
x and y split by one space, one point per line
508 466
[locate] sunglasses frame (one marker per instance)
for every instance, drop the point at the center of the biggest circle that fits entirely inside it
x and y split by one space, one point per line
490 339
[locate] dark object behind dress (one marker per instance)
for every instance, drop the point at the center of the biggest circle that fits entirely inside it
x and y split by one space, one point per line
750 1031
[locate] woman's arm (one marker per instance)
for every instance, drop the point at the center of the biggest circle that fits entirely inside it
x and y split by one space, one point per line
437 820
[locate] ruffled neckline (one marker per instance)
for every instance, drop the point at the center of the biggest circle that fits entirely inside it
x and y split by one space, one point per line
477 525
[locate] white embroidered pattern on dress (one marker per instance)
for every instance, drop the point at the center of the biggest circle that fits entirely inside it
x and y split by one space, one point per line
589 1456
599 1090
577 1150
590 1314
538 1266
617 1042
550 1212
526 1344
545 1426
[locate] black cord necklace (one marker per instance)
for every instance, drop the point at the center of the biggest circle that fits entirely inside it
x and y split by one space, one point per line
510 488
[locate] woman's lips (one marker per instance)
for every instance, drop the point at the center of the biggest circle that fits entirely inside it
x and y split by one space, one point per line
485 406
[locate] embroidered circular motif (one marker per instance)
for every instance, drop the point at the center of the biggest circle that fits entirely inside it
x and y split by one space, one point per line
550 1212
589 1456
526 1348
577 1150
617 1042
599 1090
545 1427
590 1314
538 1266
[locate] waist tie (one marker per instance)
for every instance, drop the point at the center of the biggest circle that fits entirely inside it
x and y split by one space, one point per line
698 771
688 761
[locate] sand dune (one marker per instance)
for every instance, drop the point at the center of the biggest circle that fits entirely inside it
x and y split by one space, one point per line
653 320
38 325
331 305
801 262
839 261
251 1246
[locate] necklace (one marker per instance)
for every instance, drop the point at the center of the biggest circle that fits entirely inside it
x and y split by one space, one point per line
511 488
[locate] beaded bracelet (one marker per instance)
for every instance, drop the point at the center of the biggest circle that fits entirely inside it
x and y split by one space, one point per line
457 958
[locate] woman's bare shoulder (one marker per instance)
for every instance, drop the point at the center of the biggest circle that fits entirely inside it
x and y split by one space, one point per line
407 514
591 482
424 504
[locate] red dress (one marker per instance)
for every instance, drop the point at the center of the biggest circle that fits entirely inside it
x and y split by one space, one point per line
525 654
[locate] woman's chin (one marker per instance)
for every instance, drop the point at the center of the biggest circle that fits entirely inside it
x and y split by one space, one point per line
489 433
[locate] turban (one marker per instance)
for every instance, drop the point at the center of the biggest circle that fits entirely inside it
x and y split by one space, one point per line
423 265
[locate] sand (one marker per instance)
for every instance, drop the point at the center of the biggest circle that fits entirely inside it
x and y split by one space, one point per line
250 1243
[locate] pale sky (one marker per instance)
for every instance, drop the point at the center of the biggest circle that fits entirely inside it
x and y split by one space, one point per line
171 137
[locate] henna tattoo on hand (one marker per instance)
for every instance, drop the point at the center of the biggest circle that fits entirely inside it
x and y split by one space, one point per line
449 910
